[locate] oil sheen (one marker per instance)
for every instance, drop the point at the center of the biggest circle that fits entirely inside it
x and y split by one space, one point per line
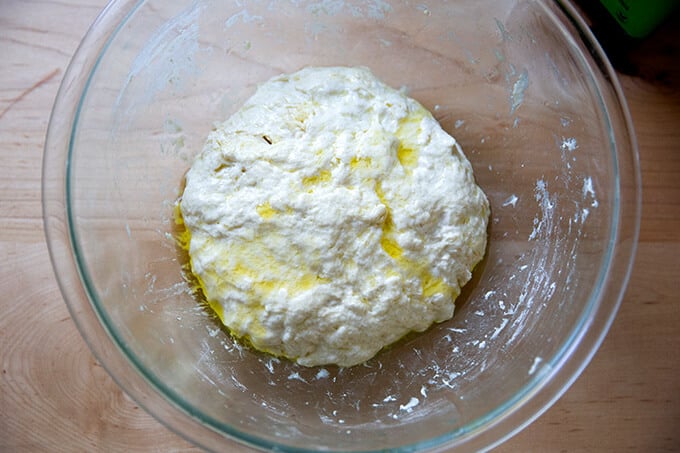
330 216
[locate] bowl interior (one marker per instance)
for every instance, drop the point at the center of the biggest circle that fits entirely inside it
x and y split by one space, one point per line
509 80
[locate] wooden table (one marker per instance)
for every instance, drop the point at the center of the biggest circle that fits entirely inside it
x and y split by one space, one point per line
54 395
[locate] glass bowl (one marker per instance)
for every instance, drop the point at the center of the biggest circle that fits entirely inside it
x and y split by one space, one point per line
526 91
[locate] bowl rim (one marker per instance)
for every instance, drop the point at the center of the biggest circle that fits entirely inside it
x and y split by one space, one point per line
539 393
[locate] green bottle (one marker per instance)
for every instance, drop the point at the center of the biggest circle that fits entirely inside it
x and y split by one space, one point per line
621 26
639 18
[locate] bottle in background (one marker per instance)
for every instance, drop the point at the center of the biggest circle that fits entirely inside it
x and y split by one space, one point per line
639 18
622 25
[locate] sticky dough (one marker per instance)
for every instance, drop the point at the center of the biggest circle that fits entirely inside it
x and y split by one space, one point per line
330 216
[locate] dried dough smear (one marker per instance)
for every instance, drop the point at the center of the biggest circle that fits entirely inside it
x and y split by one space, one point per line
330 216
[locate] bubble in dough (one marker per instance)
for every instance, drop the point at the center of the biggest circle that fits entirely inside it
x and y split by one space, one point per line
330 216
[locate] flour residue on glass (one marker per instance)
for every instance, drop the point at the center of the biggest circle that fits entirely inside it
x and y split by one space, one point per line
518 90
167 60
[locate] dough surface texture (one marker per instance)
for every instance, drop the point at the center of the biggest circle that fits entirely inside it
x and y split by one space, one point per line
330 216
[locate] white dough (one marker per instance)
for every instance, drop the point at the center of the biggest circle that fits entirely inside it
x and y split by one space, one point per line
330 216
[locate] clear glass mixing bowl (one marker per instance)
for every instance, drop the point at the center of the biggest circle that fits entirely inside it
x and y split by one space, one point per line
523 87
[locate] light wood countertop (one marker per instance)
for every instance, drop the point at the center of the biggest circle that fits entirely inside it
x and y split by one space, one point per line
54 396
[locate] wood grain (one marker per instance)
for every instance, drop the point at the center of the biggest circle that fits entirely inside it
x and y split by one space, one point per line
54 396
